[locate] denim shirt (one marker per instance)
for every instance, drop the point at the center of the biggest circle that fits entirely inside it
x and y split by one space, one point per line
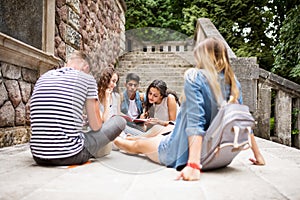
125 103
196 114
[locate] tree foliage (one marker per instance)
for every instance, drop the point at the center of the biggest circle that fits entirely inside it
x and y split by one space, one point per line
241 22
287 51
153 13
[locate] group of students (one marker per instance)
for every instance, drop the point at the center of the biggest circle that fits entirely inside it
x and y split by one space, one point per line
175 138
158 104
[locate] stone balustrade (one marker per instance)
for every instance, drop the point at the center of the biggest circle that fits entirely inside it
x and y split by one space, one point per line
168 46
278 99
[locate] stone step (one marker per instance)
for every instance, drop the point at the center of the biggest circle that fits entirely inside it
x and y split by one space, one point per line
157 57
151 65
176 84
163 61
155 65
149 57
148 54
169 67
146 79
155 73
177 89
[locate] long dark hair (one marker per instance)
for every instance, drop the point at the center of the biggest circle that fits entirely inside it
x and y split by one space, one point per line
104 81
164 91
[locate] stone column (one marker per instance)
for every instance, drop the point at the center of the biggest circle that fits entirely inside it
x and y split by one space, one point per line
263 111
296 137
283 109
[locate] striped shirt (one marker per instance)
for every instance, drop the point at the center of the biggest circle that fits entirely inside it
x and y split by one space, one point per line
56 112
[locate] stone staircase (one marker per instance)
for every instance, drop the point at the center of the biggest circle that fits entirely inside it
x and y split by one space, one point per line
167 66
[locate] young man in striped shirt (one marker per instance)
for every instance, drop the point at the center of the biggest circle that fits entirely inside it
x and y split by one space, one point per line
56 114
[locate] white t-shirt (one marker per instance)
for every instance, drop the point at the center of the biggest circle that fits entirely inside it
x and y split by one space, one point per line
132 109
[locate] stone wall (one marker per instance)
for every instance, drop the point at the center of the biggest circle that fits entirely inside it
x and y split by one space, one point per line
16 85
246 70
96 27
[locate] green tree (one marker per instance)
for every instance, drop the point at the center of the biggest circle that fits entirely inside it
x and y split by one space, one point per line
153 13
280 8
287 51
243 24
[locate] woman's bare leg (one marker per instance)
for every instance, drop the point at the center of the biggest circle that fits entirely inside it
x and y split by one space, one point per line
259 159
158 130
147 146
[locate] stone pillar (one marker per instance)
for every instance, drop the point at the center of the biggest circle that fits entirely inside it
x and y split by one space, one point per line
296 137
165 48
173 48
246 70
283 109
181 48
263 111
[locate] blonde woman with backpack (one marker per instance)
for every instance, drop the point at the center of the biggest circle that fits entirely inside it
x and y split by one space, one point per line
203 92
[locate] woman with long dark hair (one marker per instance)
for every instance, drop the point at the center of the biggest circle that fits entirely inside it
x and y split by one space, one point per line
109 97
160 110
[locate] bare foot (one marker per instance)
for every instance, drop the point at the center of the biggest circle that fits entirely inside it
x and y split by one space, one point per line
117 141
124 145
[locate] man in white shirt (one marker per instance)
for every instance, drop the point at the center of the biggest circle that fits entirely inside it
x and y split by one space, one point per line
132 101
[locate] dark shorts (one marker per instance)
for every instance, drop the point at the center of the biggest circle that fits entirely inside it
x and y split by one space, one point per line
78 159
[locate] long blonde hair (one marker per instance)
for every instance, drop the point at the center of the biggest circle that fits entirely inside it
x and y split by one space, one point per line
211 55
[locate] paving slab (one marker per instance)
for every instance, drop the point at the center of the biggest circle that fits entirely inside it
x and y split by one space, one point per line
120 176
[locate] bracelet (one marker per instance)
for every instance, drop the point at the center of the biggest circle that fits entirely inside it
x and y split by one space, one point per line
194 166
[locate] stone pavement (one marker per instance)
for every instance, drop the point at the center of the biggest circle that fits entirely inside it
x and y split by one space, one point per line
121 176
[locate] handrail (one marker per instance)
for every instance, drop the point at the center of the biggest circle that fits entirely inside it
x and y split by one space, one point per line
205 28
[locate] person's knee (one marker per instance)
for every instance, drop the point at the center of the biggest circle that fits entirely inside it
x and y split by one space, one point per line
119 121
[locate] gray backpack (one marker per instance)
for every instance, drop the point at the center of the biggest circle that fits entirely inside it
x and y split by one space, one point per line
227 135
